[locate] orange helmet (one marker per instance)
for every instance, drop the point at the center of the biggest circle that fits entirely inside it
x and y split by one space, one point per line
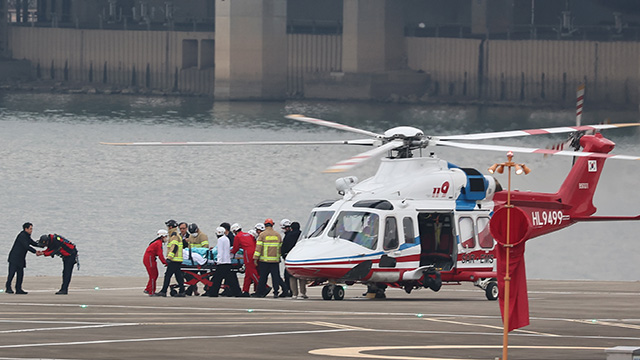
269 222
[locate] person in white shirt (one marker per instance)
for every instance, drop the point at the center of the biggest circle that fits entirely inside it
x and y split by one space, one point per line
223 263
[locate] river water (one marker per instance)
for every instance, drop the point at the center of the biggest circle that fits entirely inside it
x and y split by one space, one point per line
111 201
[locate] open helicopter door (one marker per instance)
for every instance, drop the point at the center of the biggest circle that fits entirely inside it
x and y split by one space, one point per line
437 240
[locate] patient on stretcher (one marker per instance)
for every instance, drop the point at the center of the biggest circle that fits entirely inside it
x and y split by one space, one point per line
204 256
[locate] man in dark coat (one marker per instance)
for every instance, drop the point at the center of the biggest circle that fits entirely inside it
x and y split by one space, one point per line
291 234
17 258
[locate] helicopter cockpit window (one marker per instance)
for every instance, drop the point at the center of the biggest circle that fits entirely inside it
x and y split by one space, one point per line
484 235
326 203
409 234
374 204
467 236
359 227
390 234
318 221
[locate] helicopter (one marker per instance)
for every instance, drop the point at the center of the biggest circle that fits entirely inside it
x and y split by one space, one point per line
420 221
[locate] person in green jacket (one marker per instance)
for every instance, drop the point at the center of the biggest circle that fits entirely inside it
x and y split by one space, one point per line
174 260
267 258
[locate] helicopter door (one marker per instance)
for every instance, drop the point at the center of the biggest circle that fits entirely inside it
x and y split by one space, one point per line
390 241
436 239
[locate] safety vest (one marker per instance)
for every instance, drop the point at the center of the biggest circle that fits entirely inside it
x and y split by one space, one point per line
62 248
268 247
175 248
200 241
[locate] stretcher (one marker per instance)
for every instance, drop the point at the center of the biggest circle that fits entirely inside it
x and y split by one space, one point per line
199 266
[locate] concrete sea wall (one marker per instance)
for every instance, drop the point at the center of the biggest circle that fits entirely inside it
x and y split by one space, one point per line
501 71
528 70
178 61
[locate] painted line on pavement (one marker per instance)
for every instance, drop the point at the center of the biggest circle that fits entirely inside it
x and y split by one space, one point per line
71 343
337 326
52 321
357 352
63 328
487 326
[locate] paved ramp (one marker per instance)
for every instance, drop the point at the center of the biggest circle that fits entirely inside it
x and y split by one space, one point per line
109 318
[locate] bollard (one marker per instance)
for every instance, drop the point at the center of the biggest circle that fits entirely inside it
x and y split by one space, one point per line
623 353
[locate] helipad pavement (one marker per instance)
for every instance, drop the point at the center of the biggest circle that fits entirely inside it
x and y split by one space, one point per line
110 318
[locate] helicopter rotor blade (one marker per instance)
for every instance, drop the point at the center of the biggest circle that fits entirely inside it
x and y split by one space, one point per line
333 125
362 158
516 133
369 142
526 150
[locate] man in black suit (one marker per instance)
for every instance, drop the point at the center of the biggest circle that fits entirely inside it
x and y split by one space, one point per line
17 257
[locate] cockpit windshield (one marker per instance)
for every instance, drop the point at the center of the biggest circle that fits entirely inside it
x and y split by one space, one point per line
360 227
318 221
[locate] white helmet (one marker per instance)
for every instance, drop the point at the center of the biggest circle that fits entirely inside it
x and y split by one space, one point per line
235 227
253 233
220 230
285 223
260 226
163 232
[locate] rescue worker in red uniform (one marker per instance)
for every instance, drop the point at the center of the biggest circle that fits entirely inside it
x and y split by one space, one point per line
58 245
247 243
154 250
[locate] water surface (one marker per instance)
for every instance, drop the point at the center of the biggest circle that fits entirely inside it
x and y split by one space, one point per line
111 200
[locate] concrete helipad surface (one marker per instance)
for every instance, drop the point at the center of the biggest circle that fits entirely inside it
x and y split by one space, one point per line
110 318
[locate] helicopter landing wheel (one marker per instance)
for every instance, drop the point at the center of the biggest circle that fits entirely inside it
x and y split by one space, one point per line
408 288
491 291
338 292
327 292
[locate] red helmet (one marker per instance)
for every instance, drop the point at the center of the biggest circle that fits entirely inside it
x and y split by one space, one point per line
269 222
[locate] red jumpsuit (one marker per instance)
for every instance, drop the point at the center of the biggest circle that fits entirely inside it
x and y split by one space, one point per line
247 243
153 250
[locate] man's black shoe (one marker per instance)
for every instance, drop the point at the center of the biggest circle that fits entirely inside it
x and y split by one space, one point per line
161 294
21 292
9 291
61 292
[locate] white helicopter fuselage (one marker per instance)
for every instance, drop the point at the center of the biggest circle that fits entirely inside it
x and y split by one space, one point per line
414 216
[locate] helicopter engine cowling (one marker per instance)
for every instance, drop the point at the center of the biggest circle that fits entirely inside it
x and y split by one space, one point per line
492 187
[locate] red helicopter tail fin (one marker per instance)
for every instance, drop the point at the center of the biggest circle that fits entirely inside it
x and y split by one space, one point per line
580 185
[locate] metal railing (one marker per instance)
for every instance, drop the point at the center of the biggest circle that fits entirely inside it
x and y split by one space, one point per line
528 32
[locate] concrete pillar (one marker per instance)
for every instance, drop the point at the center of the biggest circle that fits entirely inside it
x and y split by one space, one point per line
373 36
491 16
250 49
4 29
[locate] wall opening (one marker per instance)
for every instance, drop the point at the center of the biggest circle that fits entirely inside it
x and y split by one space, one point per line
189 53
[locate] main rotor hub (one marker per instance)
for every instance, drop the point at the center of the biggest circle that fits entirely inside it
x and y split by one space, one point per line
403 132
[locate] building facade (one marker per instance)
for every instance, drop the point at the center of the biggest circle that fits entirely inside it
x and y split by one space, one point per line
501 50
